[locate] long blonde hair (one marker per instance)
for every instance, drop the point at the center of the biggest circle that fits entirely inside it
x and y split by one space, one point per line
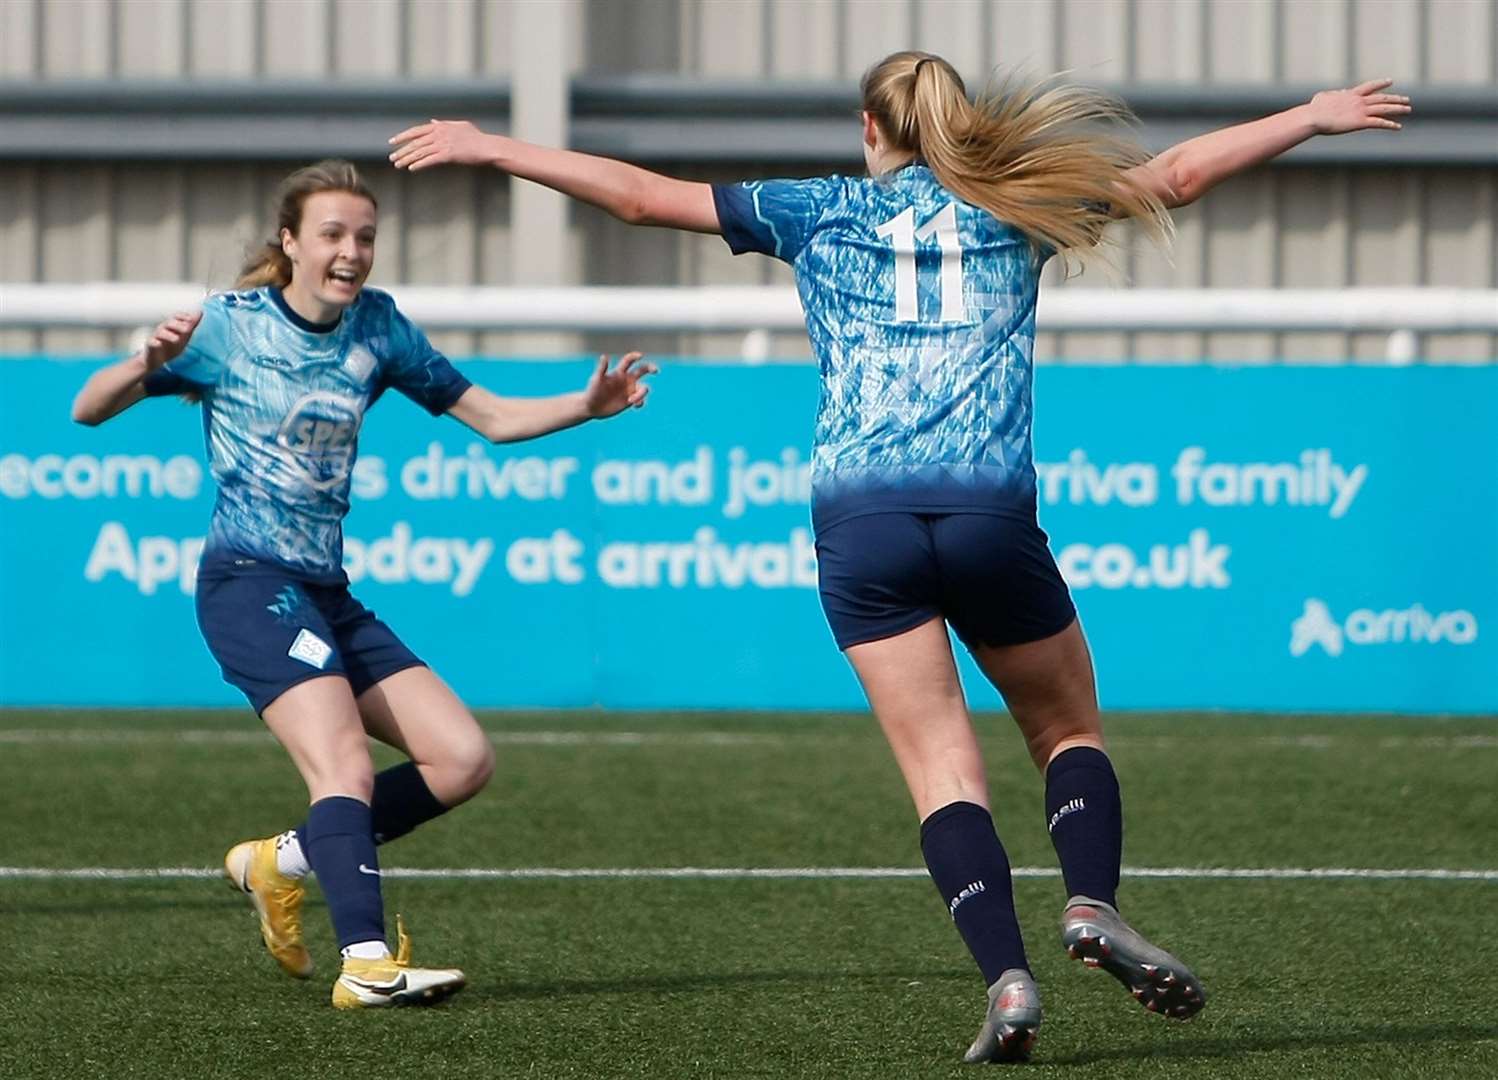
268 264
1047 158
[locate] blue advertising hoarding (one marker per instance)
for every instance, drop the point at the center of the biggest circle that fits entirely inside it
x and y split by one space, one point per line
1242 538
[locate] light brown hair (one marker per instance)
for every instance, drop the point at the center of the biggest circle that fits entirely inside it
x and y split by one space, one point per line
268 264
1047 158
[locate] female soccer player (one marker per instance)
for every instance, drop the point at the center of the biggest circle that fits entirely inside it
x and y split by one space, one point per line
919 285
285 368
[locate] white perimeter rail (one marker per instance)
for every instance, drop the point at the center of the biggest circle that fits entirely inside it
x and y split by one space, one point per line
1401 313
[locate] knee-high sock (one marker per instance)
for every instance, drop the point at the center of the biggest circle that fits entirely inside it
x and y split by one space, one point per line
341 849
1084 813
401 801
971 871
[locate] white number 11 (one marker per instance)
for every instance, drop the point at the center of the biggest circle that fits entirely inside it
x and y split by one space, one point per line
903 235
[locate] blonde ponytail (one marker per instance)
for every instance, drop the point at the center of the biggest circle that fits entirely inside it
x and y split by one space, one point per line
1048 159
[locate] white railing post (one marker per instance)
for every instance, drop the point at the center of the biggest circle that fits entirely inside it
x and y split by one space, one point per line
1401 347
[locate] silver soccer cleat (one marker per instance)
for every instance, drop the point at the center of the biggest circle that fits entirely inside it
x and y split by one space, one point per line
1008 1031
1094 933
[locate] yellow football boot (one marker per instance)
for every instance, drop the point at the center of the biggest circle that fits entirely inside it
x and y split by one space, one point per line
376 984
251 868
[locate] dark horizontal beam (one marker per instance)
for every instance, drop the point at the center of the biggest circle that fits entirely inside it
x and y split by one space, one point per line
647 118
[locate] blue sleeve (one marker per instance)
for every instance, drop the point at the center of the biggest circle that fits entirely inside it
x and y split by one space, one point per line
203 362
418 370
773 217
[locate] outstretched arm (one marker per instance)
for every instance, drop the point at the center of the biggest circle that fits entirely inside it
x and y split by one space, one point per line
507 419
633 195
110 391
1188 170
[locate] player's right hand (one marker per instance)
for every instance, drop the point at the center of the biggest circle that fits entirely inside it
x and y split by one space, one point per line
1336 112
169 339
441 142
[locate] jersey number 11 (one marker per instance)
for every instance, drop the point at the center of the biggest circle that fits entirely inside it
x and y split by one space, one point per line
903 235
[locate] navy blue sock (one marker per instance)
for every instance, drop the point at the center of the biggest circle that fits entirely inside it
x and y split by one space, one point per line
971 871
340 846
401 801
1084 813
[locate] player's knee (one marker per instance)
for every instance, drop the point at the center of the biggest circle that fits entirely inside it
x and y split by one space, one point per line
471 766
482 765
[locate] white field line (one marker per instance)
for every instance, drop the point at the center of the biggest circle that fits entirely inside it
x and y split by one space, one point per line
795 873
241 737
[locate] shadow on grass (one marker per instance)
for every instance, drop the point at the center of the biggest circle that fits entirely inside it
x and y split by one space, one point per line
669 984
1211 1048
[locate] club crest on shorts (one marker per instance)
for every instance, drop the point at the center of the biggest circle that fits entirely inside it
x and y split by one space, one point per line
310 649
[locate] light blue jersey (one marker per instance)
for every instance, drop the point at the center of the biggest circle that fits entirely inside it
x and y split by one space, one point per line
283 400
921 313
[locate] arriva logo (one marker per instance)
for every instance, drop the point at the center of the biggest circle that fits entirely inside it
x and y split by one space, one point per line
1317 626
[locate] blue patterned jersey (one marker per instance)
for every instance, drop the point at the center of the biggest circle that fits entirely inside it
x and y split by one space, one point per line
283 400
921 313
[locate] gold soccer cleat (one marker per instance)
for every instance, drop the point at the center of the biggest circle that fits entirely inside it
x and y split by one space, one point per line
376 984
251 868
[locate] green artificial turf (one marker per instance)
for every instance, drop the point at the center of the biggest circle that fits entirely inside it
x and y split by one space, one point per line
727 978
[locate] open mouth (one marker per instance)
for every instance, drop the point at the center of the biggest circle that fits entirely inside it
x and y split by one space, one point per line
343 277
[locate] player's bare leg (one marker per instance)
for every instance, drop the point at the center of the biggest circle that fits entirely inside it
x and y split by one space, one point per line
317 723
414 711
320 725
1049 688
451 758
911 682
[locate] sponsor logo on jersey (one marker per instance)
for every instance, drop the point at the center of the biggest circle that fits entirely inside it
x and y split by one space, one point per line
318 437
1413 625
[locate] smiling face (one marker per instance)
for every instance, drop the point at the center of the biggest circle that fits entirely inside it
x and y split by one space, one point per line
331 253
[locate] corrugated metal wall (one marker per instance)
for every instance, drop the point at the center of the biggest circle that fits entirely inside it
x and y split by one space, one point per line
1293 227
241 39
1438 41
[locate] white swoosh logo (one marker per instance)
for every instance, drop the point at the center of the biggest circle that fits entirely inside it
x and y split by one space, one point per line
366 870
377 988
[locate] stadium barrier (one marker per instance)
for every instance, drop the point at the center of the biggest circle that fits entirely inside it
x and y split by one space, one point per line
1399 312
1246 538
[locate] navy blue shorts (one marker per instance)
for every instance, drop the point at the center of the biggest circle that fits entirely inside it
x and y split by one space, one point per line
992 578
270 631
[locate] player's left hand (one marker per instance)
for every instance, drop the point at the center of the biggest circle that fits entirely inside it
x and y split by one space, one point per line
609 393
441 142
1335 112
